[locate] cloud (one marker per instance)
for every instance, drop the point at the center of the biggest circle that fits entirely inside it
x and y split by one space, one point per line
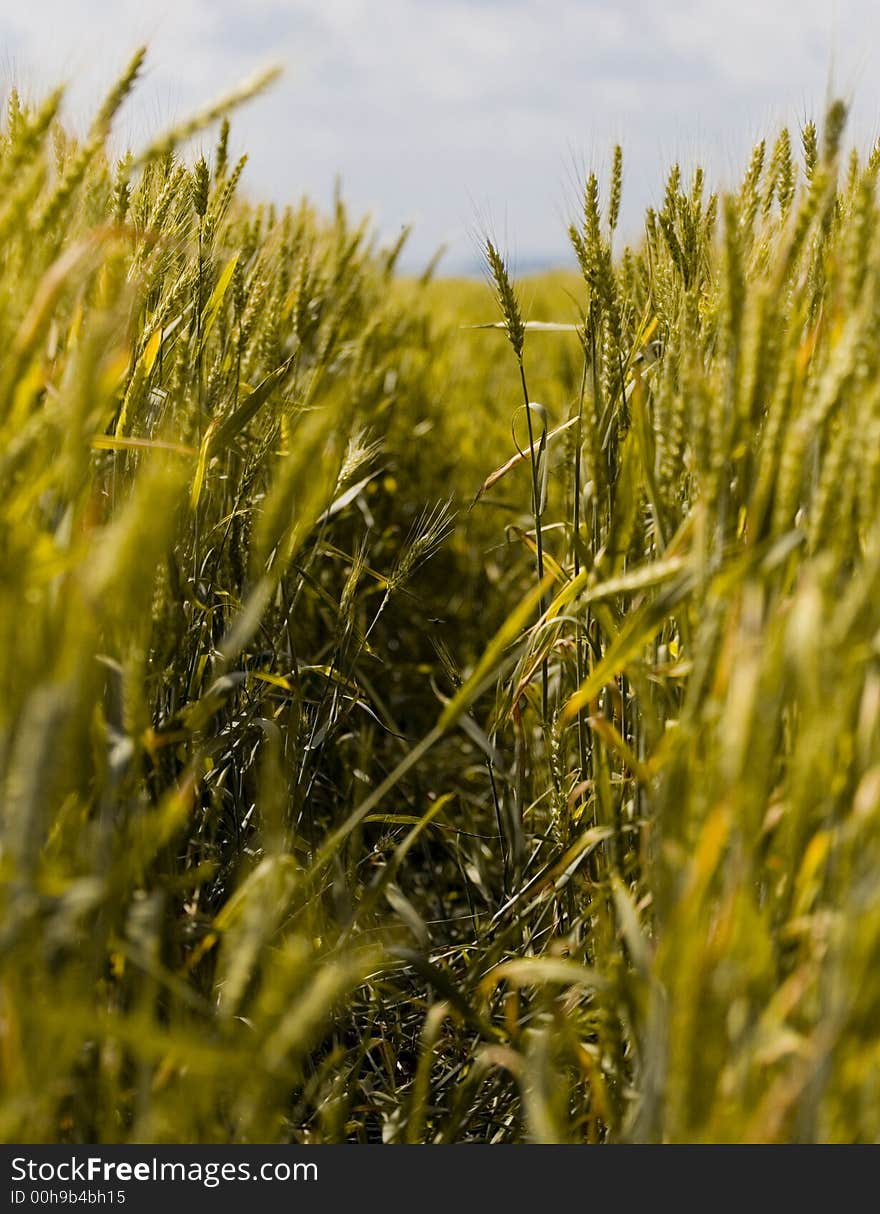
434 109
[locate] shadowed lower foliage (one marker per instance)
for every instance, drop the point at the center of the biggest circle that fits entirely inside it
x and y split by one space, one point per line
346 800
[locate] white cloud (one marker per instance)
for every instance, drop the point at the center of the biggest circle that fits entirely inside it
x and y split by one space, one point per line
430 108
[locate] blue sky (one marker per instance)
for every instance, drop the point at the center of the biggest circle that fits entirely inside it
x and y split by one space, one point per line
451 114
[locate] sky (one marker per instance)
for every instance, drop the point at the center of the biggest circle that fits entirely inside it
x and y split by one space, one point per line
458 116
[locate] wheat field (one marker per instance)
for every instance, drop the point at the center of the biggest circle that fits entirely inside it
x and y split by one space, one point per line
436 711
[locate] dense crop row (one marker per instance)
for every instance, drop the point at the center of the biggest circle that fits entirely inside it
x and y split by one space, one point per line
370 773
